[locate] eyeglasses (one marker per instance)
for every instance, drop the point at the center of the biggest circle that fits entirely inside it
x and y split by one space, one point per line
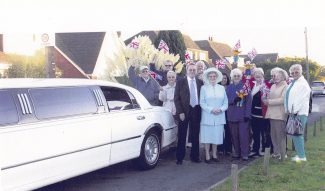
168 65
145 71
170 76
295 72
236 76
192 70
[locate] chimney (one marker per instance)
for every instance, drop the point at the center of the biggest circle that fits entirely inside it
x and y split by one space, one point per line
1 42
119 33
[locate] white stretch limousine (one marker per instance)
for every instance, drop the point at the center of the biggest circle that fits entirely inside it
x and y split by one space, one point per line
55 129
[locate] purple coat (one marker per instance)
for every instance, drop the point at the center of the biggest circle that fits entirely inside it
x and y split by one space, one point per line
236 113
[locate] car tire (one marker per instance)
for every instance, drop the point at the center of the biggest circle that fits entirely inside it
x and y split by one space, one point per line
150 151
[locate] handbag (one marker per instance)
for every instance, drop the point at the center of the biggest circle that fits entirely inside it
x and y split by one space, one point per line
294 125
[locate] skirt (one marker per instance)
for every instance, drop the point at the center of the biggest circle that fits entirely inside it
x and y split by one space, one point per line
212 134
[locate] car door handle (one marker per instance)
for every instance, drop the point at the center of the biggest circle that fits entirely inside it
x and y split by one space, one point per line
141 117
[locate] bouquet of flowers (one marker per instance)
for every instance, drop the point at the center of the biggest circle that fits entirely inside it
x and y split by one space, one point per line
265 91
242 94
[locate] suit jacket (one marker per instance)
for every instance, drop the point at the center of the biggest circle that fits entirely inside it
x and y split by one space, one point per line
182 95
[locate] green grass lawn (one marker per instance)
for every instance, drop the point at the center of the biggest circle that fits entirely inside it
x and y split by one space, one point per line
287 175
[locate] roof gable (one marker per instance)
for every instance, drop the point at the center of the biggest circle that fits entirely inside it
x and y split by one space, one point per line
81 48
189 43
216 50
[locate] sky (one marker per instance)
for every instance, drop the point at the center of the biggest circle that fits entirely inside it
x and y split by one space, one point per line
269 26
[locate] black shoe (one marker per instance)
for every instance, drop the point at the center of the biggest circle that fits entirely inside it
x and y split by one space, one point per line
179 162
235 157
245 158
196 160
215 160
208 161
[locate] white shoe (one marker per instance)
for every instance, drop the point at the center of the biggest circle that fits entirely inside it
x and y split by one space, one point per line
303 159
295 158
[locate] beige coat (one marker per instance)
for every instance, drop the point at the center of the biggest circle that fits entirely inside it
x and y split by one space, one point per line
275 108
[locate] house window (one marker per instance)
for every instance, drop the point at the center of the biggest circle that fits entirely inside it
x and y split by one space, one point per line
202 56
59 102
8 111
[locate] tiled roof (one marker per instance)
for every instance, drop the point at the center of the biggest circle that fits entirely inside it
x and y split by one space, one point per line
262 58
189 43
81 48
216 50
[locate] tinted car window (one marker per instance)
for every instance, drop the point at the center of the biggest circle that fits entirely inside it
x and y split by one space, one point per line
119 99
8 112
58 102
317 84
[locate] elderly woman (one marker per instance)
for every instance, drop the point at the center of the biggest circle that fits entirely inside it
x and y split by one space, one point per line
275 112
272 72
296 102
214 103
238 114
166 94
260 125
200 69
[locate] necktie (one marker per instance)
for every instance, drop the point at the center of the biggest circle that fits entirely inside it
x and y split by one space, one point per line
192 94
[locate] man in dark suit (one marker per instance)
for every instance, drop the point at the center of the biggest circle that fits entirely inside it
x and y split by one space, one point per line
186 100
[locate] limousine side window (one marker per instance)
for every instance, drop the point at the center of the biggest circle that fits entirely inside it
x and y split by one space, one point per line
8 111
64 101
119 99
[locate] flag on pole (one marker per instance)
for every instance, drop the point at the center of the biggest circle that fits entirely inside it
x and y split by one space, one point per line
252 54
237 46
221 64
163 46
134 44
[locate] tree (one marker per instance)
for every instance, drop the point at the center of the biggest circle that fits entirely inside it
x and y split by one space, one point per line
27 66
175 41
286 62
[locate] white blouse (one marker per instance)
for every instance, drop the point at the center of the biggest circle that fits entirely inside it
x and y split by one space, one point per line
167 97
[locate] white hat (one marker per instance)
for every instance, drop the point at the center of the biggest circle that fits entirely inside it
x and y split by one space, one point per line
143 67
209 70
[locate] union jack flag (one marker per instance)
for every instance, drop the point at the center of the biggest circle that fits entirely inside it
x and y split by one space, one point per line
187 56
221 63
252 54
155 76
163 46
237 45
265 91
134 44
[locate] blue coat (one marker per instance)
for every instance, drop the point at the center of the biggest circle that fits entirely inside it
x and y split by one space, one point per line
213 97
235 113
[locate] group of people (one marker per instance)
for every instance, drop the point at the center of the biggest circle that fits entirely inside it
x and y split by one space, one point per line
228 115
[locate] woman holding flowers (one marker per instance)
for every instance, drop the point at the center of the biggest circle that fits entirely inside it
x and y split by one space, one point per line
238 114
260 125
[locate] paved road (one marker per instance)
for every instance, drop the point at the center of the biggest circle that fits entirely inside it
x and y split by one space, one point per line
166 176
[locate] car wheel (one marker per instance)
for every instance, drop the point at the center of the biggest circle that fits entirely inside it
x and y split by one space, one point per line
150 151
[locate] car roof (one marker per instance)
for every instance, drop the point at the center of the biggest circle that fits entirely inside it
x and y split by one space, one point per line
52 82
10 83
